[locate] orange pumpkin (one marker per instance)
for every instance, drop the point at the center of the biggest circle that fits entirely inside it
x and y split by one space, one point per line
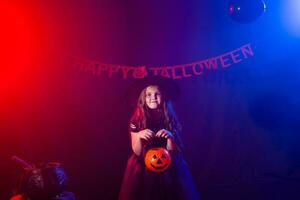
158 159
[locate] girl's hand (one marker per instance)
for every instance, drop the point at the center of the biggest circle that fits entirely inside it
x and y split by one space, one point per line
164 133
146 134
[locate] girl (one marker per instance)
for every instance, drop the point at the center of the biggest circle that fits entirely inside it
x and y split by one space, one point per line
154 124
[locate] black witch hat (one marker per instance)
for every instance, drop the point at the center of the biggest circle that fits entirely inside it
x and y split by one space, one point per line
169 88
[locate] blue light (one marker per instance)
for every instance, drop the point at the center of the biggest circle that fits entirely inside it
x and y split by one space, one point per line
291 16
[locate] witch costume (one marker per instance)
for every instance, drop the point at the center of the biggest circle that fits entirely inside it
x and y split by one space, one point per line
139 183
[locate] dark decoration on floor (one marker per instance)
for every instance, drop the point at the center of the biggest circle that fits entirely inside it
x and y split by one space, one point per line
47 181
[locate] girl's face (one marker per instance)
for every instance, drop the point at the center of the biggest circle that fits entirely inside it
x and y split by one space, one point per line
153 97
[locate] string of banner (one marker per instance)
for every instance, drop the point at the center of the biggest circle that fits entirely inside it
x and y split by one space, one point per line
224 60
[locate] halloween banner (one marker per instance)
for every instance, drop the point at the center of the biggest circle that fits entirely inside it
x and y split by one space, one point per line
222 61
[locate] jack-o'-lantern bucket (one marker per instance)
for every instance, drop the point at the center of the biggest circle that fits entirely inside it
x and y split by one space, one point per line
158 159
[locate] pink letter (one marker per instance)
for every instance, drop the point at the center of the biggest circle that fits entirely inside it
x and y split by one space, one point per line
101 68
184 72
223 60
247 50
234 55
113 69
201 67
174 75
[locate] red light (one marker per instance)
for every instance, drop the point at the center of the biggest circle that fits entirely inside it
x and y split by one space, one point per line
18 48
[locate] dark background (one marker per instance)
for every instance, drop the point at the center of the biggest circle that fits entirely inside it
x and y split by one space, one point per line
240 124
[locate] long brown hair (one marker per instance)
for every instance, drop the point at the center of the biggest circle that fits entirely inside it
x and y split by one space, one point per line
170 120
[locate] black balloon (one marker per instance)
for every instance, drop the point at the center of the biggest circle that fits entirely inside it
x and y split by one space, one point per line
246 11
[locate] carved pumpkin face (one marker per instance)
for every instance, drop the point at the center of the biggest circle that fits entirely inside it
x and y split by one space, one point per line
158 159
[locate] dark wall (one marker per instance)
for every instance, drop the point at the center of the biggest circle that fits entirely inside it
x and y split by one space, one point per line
240 124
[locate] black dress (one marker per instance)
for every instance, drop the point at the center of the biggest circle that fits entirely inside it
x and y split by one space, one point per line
141 184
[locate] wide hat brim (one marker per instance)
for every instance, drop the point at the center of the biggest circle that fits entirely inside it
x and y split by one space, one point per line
168 86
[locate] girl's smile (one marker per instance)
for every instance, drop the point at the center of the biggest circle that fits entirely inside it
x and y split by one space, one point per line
153 97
